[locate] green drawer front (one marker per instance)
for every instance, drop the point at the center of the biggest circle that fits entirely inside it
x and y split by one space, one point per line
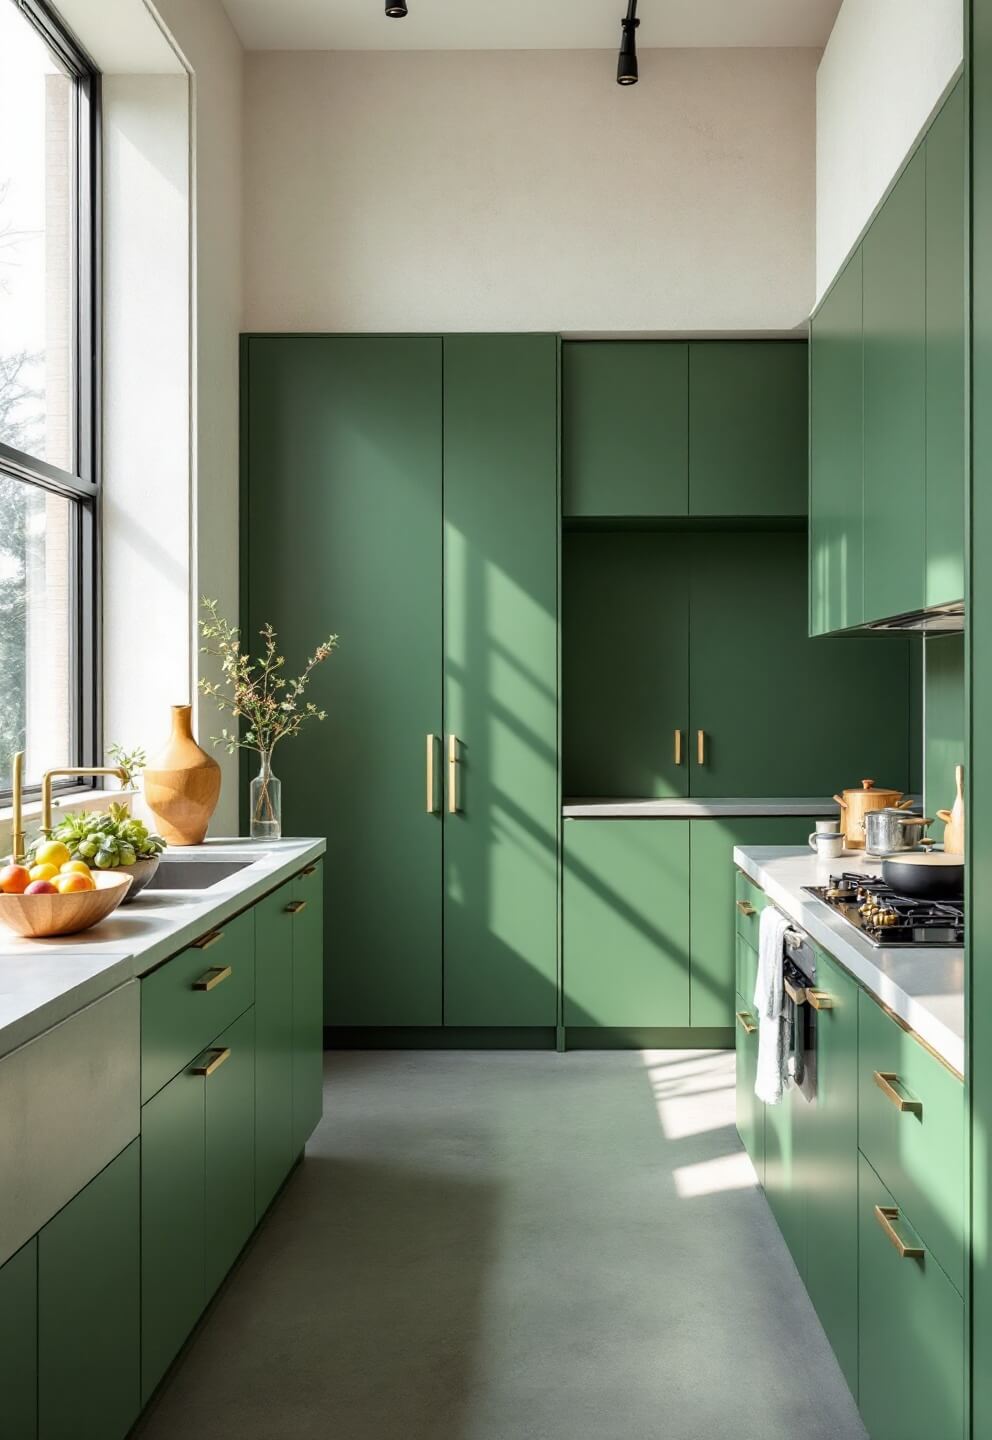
918 1151
180 1016
750 1110
747 970
750 900
911 1329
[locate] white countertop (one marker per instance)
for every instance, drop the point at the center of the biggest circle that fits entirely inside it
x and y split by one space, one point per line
42 982
924 987
696 808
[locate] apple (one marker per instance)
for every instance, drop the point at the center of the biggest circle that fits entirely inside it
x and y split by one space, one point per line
14 879
41 887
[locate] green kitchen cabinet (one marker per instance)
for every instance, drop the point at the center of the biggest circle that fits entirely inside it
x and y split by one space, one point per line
785 1125
945 351
625 428
275 927
836 499
753 743
500 625
89 1309
308 1005
626 923
829 1167
173 1255
750 1110
229 1149
911 1330
895 373
342 468
19 1343
625 665
712 912
748 443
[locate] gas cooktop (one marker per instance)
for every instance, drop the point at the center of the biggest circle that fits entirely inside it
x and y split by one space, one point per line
887 918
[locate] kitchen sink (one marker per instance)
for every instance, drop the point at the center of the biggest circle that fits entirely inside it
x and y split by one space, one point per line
182 874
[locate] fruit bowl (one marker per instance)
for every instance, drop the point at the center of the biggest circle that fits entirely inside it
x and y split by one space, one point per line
37 917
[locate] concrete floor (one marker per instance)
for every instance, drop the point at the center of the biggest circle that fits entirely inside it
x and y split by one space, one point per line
515 1246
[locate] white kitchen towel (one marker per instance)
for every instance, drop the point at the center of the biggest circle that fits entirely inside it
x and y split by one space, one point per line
770 1004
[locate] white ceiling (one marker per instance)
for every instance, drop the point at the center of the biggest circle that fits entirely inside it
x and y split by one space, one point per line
527 24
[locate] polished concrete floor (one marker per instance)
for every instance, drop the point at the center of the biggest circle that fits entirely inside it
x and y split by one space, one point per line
515 1246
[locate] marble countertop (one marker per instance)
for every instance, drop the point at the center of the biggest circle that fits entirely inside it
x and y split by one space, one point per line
924 987
43 982
696 809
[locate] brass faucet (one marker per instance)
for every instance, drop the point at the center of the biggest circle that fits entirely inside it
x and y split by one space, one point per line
50 775
16 798
17 835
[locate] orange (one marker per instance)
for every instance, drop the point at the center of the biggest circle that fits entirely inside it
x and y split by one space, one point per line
73 882
14 879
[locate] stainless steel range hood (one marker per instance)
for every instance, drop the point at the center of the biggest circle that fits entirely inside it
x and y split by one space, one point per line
940 620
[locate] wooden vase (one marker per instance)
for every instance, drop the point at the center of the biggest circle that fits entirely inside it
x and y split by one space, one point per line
954 818
182 784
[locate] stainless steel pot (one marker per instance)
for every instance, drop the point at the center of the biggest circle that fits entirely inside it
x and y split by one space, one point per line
889 831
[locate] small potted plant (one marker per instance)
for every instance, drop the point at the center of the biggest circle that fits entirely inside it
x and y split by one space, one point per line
109 840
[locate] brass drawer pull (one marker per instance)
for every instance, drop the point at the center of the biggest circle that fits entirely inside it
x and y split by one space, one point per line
820 1000
205 941
746 1023
746 908
452 774
219 1056
700 747
886 1081
431 777
885 1215
678 747
309 870
295 906
796 993
213 977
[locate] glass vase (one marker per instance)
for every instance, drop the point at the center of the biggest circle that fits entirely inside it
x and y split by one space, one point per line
266 803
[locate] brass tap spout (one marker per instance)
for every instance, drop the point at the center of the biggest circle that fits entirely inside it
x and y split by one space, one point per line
17 836
50 775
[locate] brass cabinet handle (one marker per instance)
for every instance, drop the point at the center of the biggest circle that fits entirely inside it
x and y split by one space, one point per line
886 1081
700 747
746 1023
219 1056
885 1215
453 774
205 941
295 906
820 1000
746 908
678 747
213 977
797 994
431 780
309 870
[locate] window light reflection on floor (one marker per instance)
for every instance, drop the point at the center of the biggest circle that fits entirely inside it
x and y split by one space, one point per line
710 1177
694 1090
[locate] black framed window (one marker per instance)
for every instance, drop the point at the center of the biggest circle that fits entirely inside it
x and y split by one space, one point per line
49 382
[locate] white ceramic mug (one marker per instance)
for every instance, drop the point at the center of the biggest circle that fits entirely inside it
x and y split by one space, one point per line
828 844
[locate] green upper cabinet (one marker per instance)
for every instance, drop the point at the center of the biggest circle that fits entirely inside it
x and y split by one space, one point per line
748 451
945 352
836 503
19 1344
625 427
895 362
341 461
500 625
626 923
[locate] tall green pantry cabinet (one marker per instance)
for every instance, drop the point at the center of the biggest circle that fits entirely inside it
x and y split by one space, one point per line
403 493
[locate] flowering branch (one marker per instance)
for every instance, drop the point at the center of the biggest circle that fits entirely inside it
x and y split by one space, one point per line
255 691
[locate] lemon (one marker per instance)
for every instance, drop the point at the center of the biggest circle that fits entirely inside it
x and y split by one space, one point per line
74 867
43 872
52 852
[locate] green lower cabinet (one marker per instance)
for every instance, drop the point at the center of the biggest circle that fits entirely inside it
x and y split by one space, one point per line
308 1006
274 1153
829 1168
784 1137
750 1110
626 923
173 1161
712 912
19 1344
88 1309
911 1332
229 1179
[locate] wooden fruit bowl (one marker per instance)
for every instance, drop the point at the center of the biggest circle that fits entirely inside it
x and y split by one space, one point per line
38 917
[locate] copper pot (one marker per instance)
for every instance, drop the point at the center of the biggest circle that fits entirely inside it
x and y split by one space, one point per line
855 803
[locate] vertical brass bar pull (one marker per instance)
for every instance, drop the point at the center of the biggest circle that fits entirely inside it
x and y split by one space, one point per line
700 747
453 774
431 777
678 747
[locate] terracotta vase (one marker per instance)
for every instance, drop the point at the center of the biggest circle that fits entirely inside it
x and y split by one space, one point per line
182 784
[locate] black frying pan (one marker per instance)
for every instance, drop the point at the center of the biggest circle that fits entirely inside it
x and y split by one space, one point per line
925 877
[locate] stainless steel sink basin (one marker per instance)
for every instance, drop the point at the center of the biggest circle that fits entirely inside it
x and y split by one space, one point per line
180 874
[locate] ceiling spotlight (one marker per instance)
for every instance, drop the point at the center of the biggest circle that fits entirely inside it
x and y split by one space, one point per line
627 59
396 9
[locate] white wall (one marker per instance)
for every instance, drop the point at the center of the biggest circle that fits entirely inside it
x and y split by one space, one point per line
523 190
884 68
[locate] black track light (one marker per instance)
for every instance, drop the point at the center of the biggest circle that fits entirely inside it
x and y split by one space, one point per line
627 59
396 9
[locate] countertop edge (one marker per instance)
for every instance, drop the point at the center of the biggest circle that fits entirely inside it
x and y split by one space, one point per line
852 956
